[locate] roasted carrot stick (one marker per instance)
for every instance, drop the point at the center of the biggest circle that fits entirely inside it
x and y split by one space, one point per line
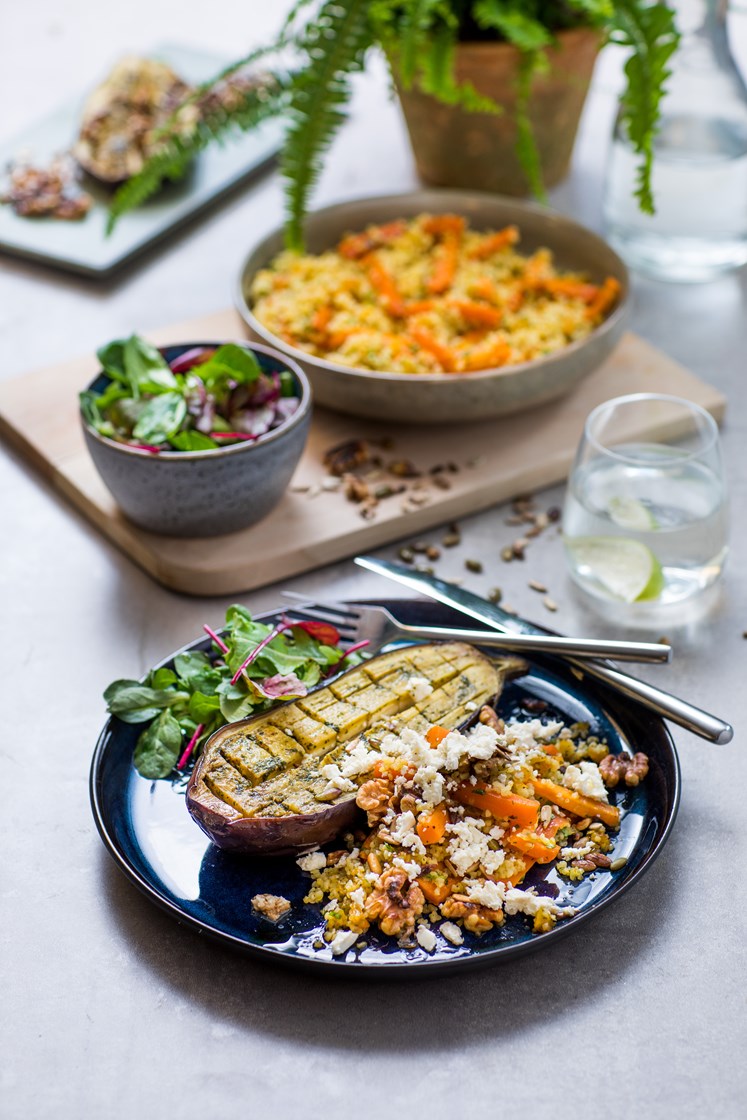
604 299
436 890
521 811
477 314
494 243
443 355
436 735
383 283
577 803
431 826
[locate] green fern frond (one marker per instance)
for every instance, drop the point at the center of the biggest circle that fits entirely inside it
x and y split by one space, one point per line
650 31
177 150
335 46
526 146
511 20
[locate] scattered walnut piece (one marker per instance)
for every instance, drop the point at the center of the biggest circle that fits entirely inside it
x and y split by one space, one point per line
395 905
271 906
345 457
491 718
356 490
619 767
374 798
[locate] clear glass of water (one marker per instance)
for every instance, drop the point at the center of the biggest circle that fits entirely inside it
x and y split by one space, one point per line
645 524
699 175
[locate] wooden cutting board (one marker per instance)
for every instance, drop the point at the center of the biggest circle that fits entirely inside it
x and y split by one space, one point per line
313 526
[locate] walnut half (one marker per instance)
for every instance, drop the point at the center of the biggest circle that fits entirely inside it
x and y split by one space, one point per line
620 767
395 905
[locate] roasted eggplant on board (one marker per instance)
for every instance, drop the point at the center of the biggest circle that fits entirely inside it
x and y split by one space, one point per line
258 786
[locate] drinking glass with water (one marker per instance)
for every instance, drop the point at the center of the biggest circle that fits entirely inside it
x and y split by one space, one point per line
645 523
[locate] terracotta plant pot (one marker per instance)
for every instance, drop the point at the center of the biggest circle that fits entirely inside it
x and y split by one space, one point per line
456 148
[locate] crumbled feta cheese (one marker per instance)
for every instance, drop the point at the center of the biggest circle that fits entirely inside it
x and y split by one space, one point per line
358 896
420 687
426 938
486 893
431 784
586 779
527 902
312 861
411 869
576 853
402 831
471 706
342 941
468 844
335 778
452 933
358 759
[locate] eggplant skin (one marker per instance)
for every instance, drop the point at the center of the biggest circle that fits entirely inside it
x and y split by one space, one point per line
257 787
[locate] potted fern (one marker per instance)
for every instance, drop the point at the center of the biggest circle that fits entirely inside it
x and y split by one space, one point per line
487 86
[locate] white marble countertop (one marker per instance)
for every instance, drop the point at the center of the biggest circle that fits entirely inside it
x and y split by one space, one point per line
111 1009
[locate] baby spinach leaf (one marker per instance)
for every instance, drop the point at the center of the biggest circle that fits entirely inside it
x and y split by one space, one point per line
158 747
191 663
162 678
134 702
192 441
146 368
160 418
112 359
229 363
203 708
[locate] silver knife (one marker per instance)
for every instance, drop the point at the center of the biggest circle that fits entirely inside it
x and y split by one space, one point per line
663 703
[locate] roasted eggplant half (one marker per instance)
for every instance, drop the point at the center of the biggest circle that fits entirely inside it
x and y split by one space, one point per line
122 116
258 786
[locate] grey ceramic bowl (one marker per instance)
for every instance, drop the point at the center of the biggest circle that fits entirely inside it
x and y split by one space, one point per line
204 493
443 397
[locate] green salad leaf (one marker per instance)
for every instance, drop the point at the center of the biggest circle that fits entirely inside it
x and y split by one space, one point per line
212 397
183 704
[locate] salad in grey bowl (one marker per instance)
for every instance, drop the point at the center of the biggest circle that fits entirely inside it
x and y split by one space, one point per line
197 439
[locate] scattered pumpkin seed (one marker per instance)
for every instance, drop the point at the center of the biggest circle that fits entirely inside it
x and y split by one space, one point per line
473 565
432 552
495 595
549 603
451 540
507 553
406 555
618 863
537 586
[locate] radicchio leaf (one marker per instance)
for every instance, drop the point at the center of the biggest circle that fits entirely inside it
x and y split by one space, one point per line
282 684
194 357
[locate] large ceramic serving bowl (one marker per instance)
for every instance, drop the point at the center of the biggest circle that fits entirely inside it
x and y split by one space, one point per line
204 493
431 398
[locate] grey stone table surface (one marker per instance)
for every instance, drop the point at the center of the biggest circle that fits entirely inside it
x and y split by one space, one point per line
110 1009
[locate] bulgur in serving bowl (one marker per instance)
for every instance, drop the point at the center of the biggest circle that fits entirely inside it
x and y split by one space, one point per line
438 306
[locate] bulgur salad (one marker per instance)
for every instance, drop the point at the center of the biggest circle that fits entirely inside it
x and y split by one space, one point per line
456 820
429 295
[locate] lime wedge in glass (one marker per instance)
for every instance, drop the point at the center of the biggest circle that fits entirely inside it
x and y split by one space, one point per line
631 514
626 568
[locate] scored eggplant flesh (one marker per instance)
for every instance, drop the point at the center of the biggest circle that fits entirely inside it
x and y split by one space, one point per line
122 116
258 786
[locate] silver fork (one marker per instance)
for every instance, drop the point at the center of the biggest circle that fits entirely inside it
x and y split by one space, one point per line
377 626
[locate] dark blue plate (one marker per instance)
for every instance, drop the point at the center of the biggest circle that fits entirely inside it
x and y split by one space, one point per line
147 829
